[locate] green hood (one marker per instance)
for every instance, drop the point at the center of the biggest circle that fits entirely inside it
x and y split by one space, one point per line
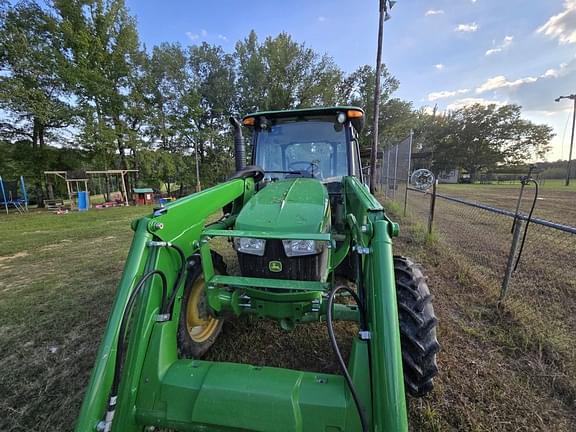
297 205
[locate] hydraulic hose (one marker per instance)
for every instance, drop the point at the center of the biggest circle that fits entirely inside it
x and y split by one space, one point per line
121 344
530 180
334 343
179 278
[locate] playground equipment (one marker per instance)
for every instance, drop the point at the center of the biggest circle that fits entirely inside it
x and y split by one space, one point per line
14 194
300 219
75 185
143 196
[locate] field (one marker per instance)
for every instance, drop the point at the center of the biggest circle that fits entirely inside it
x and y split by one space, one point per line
57 280
556 202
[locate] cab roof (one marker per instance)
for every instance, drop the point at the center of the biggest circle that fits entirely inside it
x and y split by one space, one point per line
308 112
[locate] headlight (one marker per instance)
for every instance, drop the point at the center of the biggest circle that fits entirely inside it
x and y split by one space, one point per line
301 247
251 246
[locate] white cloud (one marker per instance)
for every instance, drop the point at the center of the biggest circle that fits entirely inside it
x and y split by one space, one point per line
467 28
428 110
461 103
433 12
500 81
562 70
439 66
321 18
445 94
204 33
551 73
563 25
222 37
192 36
506 42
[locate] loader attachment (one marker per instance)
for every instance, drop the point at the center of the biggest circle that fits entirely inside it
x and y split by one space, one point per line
145 378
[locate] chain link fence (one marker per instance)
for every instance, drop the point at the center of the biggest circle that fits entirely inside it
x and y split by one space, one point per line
490 241
395 170
538 274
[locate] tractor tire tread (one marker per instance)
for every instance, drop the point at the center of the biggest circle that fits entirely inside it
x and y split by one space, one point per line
417 327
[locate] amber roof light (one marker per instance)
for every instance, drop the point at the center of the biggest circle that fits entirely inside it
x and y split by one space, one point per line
353 114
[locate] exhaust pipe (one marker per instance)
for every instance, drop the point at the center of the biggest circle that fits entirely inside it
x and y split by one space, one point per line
239 146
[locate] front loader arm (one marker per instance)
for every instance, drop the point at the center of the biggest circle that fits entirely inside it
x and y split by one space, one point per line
372 231
180 223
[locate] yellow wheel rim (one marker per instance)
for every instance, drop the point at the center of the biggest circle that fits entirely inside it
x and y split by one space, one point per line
199 323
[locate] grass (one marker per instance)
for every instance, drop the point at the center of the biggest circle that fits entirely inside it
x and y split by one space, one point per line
505 365
58 275
555 201
502 366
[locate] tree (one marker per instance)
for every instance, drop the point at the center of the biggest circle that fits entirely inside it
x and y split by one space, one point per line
483 136
102 54
281 74
358 89
33 96
31 89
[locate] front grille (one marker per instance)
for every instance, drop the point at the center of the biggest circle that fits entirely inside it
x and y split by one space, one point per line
306 268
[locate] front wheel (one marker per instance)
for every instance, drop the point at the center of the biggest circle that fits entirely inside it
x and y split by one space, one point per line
417 327
197 327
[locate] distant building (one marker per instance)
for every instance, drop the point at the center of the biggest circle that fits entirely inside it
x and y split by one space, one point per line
449 176
143 196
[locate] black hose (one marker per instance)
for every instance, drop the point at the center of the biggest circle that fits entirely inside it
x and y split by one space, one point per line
527 223
121 345
334 343
179 278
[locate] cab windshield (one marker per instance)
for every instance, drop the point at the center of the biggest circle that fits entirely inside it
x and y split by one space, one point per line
312 148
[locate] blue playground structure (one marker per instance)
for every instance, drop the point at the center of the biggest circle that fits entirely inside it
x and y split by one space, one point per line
14 194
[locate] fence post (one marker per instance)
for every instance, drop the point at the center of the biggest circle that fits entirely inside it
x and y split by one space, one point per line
511 256
432 208
395 173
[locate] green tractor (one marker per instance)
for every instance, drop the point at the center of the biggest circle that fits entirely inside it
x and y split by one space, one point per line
301 222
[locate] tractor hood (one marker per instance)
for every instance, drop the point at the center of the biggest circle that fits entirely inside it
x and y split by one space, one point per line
297 205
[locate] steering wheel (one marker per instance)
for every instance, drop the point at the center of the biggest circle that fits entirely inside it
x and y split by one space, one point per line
309 167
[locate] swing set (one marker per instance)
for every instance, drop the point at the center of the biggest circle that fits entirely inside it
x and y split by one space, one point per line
77 187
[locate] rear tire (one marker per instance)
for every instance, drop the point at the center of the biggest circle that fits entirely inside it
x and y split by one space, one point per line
197 327
417 327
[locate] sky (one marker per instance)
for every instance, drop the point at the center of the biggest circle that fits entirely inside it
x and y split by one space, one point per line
447 53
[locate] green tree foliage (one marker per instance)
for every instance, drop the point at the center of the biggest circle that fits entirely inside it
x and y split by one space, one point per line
358 89
281 73
32 91
102 55
480 137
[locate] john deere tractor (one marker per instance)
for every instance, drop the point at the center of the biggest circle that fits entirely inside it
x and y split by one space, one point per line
312 244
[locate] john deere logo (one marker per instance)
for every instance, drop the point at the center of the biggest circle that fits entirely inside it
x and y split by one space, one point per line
275 266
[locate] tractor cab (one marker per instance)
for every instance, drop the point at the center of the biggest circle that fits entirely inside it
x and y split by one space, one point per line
303 157
319 143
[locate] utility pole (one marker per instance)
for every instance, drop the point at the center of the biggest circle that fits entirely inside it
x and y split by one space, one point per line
383 16
573 98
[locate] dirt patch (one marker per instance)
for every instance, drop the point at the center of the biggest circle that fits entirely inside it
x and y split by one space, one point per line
12 257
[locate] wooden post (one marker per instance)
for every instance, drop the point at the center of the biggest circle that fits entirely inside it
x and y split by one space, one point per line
124 187
432 207
69 195
87 193
408 174
377 90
